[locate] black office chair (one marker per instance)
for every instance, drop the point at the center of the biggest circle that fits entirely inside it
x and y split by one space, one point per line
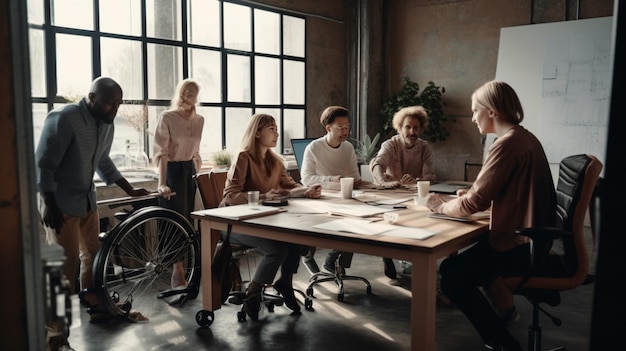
551 272
211 188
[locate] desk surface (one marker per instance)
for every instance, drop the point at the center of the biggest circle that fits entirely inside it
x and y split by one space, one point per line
299 228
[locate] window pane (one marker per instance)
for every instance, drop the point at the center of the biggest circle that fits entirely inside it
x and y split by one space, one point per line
237 27
293 36
128 141
274 112
122 61
266 32
35 11
293 82
164 70
212 132
121 16
293 126
74 74
267 80
204 22
238 78
163 19
205 67
237 120
39 116
37 63
73 14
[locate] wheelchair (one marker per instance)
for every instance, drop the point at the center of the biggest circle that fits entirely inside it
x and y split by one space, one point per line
133 267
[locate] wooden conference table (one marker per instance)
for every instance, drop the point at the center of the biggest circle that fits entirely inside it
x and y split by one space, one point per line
296 226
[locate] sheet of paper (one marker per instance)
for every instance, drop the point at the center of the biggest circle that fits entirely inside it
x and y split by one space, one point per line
306 206
410 233
357 210
241 212
357 226
474 217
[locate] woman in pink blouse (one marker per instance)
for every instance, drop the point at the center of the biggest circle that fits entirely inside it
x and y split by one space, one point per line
176 153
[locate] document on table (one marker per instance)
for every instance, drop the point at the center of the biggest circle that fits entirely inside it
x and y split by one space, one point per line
357 226
473 217
241 212
360 226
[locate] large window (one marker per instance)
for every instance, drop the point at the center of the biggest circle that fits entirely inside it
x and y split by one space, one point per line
247 59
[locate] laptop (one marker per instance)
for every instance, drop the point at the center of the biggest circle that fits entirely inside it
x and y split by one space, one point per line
448 188
298 146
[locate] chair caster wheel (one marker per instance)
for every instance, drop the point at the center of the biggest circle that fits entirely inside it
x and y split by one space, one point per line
309 292
340 297
241 316
270 306
308 304
205 318
369 290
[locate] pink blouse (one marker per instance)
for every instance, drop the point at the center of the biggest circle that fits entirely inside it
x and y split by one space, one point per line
178 137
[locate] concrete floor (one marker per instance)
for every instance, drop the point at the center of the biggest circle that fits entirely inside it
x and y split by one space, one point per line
379 321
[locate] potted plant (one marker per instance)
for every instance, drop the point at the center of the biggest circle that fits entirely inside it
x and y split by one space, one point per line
430 98
366 150
221 159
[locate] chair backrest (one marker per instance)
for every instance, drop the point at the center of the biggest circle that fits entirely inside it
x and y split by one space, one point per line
211 187
578 176
298 146
471 170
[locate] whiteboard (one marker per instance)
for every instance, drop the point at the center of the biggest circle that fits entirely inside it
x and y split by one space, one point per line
561 72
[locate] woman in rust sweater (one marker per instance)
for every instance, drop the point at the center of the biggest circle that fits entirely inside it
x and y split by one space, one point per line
515 182
259 168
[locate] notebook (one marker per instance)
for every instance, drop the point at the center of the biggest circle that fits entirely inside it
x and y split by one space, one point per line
473 217
241 212
447 188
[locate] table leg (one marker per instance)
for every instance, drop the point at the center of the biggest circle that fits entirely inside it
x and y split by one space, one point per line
210 285
423 302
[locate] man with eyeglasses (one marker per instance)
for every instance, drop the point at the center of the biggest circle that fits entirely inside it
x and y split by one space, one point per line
325 161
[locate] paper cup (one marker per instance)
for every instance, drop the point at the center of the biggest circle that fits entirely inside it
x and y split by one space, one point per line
347 185
423 187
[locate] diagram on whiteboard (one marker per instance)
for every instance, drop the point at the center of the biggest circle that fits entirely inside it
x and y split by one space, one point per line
575 94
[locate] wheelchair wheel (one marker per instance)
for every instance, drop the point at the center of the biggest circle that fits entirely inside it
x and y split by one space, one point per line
135 263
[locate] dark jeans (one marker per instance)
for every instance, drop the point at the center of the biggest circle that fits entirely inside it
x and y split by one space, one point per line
463 274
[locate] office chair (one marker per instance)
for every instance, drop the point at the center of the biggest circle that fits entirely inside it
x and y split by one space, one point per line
211 187
471 170
299 145
550 272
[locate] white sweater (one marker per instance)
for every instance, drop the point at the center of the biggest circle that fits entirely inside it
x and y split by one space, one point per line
321 162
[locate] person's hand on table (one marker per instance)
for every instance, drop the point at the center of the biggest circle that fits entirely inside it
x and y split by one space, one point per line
408 179
389 182
274 194
434 202
314 191
138 192
462 192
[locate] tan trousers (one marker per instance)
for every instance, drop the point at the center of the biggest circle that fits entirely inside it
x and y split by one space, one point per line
79 240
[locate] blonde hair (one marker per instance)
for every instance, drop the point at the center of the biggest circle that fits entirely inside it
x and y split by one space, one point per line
412 111
249 141
183 86
500 97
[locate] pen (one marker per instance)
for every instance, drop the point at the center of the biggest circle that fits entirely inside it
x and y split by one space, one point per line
399 206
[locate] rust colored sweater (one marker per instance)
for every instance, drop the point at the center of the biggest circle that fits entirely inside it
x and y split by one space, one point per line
248 174
516 182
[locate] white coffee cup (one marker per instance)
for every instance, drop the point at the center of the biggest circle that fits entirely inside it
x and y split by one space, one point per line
253 198
347 184
423 187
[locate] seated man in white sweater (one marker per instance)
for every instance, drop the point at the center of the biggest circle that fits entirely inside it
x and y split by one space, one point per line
325 161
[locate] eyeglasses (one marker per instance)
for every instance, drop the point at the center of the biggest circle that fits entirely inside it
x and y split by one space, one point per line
342 128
